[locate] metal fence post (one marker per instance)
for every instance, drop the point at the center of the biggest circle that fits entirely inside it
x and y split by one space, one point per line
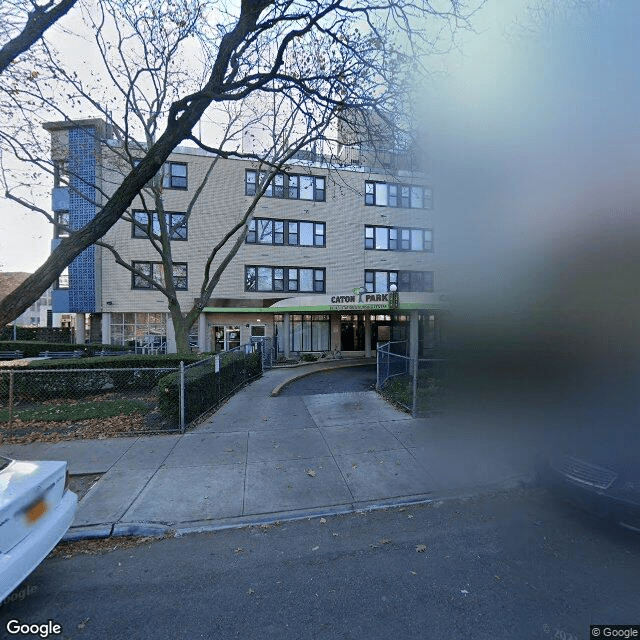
182 394
10 397
414 404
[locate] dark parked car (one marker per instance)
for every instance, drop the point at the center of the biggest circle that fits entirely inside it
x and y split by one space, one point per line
608 487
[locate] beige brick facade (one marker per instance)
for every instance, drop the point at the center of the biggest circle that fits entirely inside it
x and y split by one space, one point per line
221 204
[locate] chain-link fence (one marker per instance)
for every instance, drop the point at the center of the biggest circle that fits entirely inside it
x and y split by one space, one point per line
207 383
62 403
267 348
417 384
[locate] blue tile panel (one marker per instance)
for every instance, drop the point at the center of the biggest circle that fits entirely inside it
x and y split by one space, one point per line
82 170
60 199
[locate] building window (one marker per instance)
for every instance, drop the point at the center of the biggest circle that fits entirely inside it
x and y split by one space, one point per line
142 332
288 232
144 221
398 239
63 281
284 279
60 173
310 333
175 175
62 221
415 281
294 187
376 281
384 194
154 271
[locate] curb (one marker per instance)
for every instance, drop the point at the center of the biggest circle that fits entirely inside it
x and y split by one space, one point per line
88 533
155 530
279 387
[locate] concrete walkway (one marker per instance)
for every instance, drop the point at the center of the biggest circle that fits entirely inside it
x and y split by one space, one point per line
262 458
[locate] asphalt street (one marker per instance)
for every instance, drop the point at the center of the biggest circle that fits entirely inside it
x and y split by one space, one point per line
514 565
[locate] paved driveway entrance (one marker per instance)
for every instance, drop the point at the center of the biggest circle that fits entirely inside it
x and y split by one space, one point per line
358 378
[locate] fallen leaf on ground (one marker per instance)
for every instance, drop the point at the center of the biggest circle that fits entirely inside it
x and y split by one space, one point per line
385 541
315 548
311 473
323 521
421 548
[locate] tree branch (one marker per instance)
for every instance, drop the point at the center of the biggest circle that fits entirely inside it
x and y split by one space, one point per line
38 21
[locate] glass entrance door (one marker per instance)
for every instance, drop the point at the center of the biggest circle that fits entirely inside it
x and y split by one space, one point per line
352 332
231 338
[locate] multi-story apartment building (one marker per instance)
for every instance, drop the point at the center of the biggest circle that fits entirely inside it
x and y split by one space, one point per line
325 248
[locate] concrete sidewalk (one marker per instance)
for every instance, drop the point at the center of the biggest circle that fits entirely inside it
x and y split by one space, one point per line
262 458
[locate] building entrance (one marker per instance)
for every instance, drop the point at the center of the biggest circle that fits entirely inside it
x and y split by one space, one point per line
224 338
352 332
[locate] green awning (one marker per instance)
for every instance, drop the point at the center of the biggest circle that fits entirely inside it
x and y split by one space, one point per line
324 308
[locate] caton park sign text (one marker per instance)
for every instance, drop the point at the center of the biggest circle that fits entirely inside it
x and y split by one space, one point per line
371 301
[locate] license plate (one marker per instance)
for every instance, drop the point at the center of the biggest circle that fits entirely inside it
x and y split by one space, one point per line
35 512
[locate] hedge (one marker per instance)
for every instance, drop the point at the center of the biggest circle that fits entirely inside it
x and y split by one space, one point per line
40 380
130 361
204 388
55 335
33 348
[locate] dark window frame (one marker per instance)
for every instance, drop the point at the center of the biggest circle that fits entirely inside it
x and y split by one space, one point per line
285 185
399 242
400 194
400 277
288 276
318 231
61 228
143 285
171 181
138 232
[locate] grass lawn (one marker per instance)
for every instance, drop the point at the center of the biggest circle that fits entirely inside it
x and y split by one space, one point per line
77 411
400 390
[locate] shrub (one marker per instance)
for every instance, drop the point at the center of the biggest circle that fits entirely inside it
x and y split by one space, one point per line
32 348
204 388
41 334
308 357
40 380
131 361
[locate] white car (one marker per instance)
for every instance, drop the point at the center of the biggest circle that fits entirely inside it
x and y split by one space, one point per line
36 509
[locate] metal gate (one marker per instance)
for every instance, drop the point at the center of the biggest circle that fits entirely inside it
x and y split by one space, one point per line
266 347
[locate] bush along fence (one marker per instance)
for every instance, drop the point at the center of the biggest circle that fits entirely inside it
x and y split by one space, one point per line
199 387
416 384
43 334
140 393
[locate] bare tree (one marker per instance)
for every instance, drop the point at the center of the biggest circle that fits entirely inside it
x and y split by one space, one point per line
321 58
23 23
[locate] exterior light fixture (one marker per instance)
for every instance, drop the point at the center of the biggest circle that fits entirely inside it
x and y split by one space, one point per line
394 298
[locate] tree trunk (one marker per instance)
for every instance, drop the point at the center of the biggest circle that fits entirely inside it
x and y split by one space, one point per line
180 328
